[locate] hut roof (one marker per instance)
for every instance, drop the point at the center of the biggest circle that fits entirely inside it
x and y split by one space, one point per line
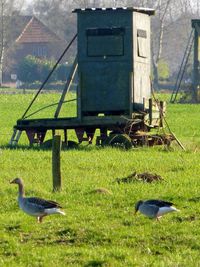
148 11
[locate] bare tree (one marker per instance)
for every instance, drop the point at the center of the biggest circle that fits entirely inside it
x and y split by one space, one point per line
7 12
162 8
84 3
3 35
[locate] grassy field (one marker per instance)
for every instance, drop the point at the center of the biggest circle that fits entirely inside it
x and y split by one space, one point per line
100 229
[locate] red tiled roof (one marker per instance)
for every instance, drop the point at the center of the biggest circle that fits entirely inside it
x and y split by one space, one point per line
36 32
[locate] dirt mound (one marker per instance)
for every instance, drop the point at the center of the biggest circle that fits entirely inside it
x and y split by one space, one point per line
144 177
101 190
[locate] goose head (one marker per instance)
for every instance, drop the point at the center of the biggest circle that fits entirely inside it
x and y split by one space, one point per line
137 205
16 181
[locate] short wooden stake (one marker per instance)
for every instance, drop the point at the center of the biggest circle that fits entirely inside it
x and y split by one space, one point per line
56 148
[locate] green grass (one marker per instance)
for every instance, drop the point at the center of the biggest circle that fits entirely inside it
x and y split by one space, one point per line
101 230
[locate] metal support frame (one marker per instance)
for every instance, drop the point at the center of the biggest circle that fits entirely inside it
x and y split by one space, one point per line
67 87
182 67
35 137
49 75
196 63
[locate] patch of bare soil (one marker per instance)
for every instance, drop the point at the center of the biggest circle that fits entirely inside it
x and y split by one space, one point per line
144 177
101 190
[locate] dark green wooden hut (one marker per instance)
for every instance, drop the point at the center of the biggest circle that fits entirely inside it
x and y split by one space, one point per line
114 60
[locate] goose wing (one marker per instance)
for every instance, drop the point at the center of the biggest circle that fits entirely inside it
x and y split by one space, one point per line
158 203
43 203
149 210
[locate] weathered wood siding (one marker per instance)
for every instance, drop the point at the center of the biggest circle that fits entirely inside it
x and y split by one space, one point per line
141 58
114 61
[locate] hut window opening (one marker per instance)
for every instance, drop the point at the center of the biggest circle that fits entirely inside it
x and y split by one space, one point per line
142 43
105 42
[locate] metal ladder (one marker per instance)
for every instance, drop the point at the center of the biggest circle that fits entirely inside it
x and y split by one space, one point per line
15 137
182 67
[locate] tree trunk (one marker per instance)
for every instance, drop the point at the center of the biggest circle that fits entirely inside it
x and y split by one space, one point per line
2 43
1 65
155 76
157 56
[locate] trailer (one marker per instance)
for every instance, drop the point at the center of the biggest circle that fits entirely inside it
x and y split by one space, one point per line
114 92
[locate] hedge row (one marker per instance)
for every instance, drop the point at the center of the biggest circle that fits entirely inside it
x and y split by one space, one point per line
33 69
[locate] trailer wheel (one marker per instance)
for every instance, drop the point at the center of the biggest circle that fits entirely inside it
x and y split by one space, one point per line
119 140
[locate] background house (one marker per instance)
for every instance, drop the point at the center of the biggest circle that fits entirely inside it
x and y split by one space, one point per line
33 38
38 40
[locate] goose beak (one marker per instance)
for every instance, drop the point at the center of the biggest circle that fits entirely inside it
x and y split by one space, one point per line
12 182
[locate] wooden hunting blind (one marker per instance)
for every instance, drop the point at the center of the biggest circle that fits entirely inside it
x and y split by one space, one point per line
114 88
114 60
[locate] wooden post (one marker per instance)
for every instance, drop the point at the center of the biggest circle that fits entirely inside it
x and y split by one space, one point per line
56 148
67 86
150 111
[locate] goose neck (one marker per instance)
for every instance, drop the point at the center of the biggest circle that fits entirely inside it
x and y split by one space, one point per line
21 190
